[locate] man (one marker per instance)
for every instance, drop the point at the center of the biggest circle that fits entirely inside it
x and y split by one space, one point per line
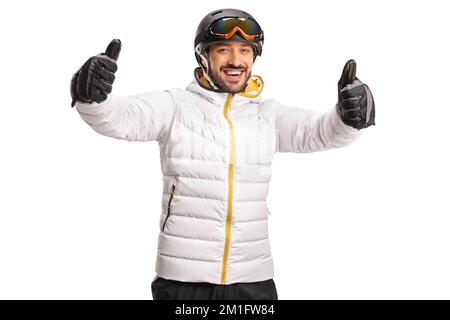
217 139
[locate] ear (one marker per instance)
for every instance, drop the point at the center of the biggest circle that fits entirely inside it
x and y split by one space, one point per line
206 53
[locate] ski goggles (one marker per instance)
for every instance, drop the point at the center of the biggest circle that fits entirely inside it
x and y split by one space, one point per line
225 28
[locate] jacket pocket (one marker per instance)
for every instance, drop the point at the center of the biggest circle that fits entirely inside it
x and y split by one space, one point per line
172 194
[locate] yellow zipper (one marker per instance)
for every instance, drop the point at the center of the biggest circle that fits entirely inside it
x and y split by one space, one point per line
230 190
172 194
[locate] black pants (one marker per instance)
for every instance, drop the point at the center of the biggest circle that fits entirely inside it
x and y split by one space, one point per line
165 289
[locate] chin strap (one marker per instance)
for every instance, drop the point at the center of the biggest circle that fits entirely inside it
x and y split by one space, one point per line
204 81
205 73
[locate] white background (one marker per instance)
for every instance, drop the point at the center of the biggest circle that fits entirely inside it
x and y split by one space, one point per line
79 212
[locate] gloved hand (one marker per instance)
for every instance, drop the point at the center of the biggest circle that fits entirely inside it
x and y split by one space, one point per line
355 106
93 81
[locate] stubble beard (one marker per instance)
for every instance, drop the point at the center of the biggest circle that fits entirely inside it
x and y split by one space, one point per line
221 84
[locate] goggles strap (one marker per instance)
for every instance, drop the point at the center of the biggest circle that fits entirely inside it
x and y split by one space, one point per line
236 29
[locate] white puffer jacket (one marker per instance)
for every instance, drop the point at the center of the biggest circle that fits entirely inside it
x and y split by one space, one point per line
216 151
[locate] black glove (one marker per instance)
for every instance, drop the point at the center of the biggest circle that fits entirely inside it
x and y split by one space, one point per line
355 106
93 81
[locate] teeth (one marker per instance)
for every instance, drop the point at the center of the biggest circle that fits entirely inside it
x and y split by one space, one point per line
233 73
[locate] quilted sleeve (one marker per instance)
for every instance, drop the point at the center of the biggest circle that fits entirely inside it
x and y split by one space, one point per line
300 130
142 117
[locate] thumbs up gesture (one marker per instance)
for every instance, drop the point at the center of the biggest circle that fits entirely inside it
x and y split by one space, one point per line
93 81
355 106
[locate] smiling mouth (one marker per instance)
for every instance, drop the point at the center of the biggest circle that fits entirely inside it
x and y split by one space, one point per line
233 75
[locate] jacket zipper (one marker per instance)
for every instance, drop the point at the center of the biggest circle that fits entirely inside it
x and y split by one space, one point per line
230 190
172 193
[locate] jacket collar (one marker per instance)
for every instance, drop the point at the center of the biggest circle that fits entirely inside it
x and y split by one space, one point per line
201 86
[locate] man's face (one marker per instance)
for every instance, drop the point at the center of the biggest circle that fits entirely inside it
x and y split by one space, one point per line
230 65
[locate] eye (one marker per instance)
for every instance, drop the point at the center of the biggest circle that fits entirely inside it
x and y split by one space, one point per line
222 50
245 50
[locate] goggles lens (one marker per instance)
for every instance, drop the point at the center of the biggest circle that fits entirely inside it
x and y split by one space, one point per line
227 27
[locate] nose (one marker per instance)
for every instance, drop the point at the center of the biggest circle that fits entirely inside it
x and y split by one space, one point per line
234 58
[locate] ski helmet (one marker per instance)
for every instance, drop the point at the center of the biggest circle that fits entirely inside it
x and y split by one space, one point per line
227 25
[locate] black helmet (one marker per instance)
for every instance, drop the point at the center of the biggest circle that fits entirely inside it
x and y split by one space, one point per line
205 35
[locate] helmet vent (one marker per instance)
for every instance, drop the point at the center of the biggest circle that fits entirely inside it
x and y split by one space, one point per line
217 12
